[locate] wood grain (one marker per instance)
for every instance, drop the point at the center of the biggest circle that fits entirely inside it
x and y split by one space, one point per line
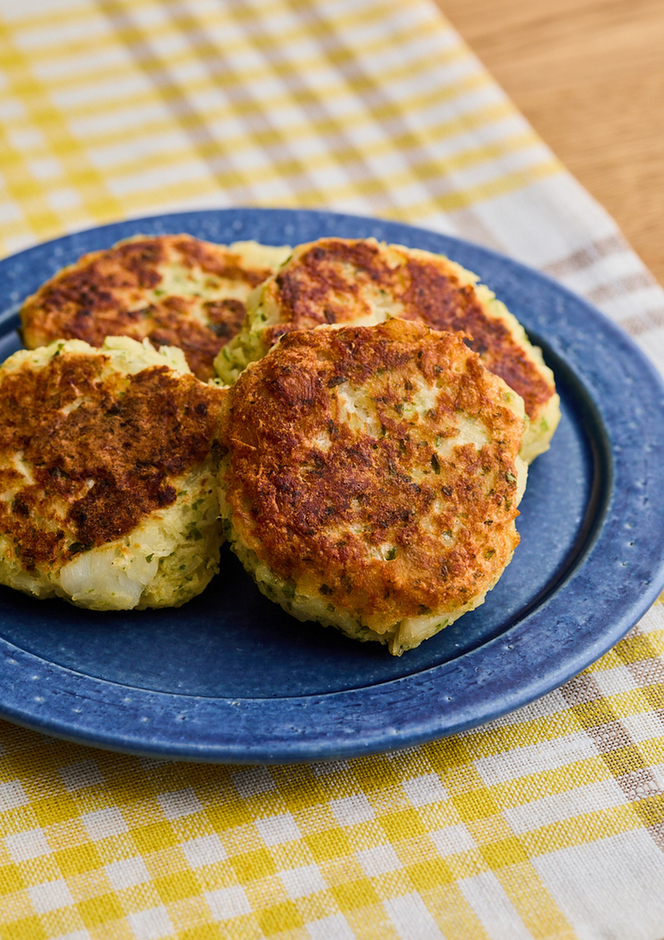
589 76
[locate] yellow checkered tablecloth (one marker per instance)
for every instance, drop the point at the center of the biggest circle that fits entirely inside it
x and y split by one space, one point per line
548 823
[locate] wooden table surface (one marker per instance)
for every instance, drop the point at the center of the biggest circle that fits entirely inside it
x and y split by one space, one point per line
589 77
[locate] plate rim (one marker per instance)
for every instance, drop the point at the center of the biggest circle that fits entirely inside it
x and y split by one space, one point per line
222 730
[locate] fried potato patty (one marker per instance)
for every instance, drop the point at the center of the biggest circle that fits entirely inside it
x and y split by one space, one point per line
107 490
175 290
370 478
361 281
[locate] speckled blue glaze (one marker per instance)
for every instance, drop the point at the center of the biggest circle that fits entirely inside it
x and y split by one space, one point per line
231 678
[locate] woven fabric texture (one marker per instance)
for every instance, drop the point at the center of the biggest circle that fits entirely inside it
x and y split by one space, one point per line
546 824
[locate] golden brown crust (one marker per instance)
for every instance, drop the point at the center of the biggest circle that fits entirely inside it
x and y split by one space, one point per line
128 290
350 472
97 461
340 281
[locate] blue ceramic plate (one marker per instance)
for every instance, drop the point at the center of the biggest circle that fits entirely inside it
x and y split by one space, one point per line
230 677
